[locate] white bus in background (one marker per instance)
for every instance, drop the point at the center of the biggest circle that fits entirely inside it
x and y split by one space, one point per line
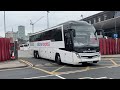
72 42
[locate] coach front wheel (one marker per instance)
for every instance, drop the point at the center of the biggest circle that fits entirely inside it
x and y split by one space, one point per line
37 55
58 60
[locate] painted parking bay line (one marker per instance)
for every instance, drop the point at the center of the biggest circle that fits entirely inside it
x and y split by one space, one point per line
84 70
32 66
60 77
93 78
26 62
43 70
113 62
58 69
38 77
87 68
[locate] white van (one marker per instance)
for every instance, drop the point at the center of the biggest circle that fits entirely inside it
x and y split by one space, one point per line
24 47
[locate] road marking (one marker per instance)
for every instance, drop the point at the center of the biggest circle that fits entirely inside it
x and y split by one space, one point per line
83 70
38 77
60 77
43 70
88 68
26 62
39 65
32 66
58 69
68 72
113 62
14 68
92 78
114 66
111 78
85 78
100 78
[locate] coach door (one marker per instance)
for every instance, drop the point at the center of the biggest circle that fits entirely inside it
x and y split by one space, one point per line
68 47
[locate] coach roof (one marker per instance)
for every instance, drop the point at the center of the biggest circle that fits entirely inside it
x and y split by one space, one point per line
66 23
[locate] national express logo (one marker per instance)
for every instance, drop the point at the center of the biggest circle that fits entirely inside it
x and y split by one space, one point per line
43 44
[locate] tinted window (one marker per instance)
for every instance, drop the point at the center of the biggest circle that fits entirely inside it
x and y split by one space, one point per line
53 35
58 34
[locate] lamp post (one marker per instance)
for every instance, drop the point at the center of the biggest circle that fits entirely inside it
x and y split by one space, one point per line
32 26
47 19
116 33
115 24
81 16
4 24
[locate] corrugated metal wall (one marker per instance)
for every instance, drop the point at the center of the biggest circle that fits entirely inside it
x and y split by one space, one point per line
4 49
109 46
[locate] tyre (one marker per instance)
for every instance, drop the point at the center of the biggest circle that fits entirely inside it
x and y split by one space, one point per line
58 60
34 54
37 55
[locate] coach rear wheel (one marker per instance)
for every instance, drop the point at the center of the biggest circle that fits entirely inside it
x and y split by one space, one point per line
37 55
58 60
34 54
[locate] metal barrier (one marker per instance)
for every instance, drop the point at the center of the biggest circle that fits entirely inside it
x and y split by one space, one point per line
109 46
4 49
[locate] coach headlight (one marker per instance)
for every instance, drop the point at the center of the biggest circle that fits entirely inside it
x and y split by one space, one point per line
78 55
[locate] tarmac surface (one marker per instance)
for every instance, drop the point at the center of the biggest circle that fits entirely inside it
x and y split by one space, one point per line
11 64
27 67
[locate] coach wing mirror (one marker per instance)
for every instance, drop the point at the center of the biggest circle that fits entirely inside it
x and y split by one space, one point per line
100 32
95 34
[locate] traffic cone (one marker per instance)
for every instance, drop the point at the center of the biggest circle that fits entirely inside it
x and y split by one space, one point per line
13 56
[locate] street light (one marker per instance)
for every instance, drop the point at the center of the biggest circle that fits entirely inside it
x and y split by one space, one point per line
82 16
115 24
47 19
116 31
4 24
31 23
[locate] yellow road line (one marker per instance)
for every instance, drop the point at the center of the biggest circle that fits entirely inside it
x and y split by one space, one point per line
30 64
113 61
87 68
68 72
58 69
26 62
42 70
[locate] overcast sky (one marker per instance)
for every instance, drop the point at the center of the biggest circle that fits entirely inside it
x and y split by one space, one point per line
16 18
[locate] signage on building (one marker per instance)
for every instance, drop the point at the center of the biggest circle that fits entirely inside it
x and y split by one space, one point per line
115 35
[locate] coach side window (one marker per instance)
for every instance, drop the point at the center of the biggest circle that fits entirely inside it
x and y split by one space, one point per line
58 34
32 38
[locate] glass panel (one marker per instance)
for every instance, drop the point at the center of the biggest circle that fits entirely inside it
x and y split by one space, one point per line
85 35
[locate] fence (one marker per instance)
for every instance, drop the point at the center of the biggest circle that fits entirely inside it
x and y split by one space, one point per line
109 46
4 49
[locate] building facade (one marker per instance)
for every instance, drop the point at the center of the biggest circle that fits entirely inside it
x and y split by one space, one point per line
102 16
108 21
12 35
21 32
27 37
